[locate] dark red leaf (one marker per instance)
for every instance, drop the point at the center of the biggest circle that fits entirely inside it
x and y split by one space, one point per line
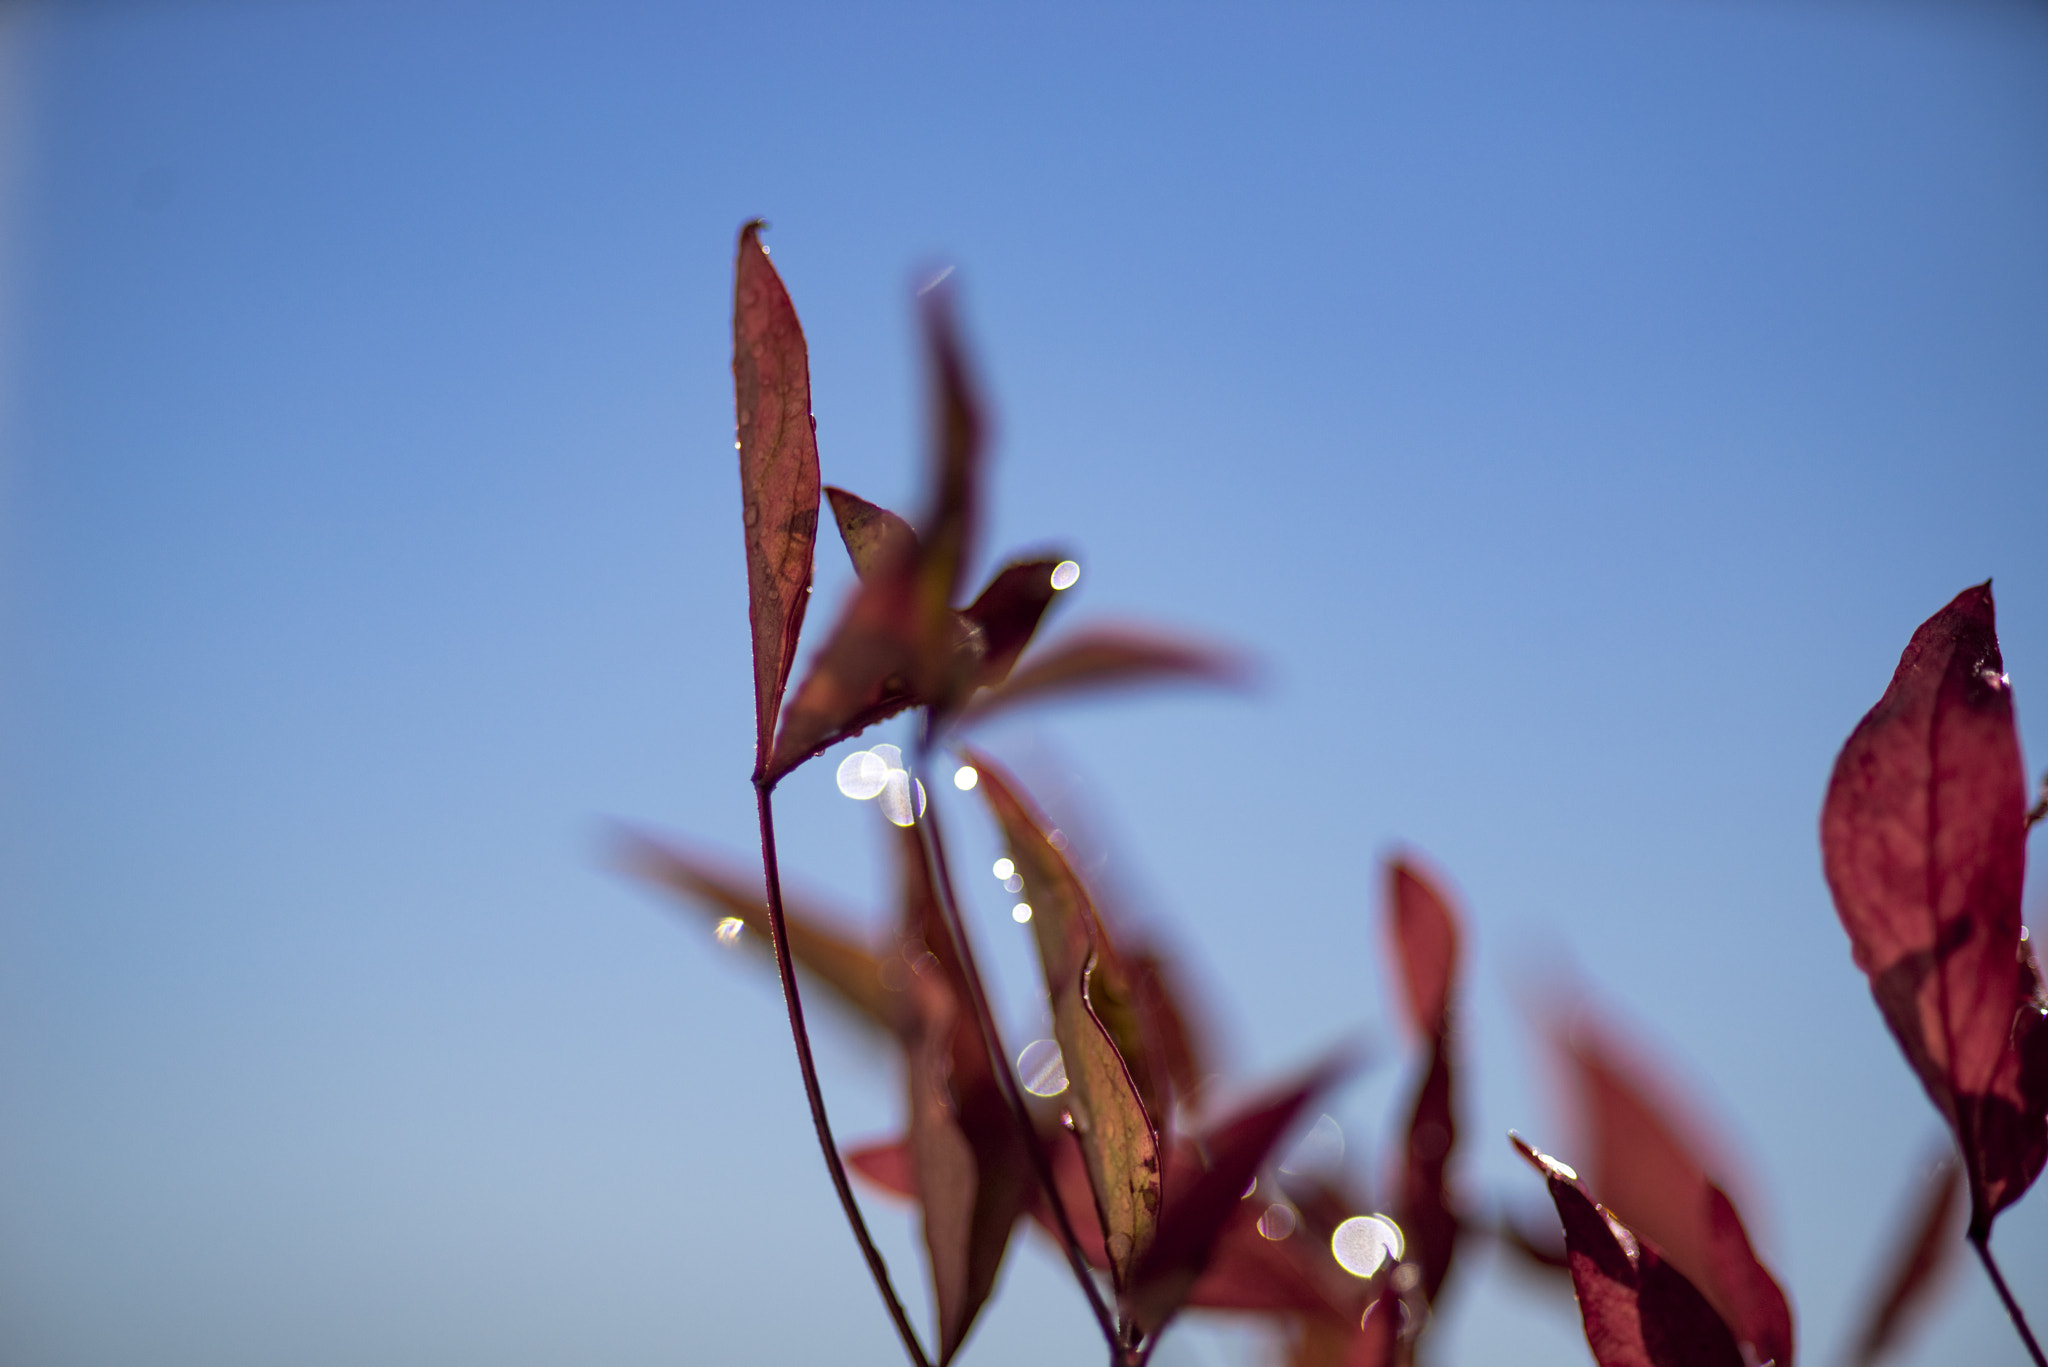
1652 1176
778 473
876 539
1924 840
1107 657
1638 1310
1425 937
1425 1213
888 1165
970 1165
899 643
952 522
871 667
818 940
1373 1341
1007 615
1424 933
1118 1140
1176 1045
1194 1216
1929 1238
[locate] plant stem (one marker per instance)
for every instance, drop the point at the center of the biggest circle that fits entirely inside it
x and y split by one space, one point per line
764 804
999 1060
2012 1307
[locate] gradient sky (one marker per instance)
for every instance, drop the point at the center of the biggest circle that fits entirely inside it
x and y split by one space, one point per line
1574 405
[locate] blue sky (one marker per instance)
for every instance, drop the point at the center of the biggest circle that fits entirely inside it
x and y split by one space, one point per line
1574 405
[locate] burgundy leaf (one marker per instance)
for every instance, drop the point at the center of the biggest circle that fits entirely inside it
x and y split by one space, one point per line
1118 1140
1540 1250
1195 1214
888 1165
778 473
970 1165
1638 1310
876 539
871 667
818 940
1007 615
952 522
1656 1182
1374 1341
1425 1213
1107 657
899 643
1927 1244
1425 937
1175 1043
1923 835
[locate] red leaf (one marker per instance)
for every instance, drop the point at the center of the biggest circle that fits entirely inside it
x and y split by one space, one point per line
970 1165
1177 1049
1425 1213
1924 840
817 940
1194 1216
899 643
888 1165
876 539
1118 1139
1652 1177
1638 1310
1425 938
778 473
1007 615
1928 1241
1107 657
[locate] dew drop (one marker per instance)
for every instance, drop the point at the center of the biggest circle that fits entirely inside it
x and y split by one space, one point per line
965 777
1065 574
1043 1071
862 775
1363 1244
1004 868
729 930
1021 913
1277 1222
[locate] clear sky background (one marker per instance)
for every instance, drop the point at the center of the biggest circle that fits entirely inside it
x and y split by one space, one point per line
1575 406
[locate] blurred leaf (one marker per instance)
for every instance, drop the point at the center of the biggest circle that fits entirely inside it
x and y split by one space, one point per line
1372 1342
1425 1212
1107 657
899 643
869 669
888 1165
876 539
1178 1051
1653 1178
778 448
1007 615
1540 1249
1119 1142
1927 1244
1425 938
1923 836
1200 1204
970 1164
831 954
1638 1310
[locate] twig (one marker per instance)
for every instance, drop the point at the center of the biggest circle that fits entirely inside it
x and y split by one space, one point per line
2040 808
999 1060
764 804
2012 1307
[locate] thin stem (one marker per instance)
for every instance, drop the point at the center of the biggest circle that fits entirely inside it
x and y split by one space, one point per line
764 804
999 1059
2012 1307
2039 811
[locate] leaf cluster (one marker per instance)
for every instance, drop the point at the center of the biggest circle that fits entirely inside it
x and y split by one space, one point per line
1160 1200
